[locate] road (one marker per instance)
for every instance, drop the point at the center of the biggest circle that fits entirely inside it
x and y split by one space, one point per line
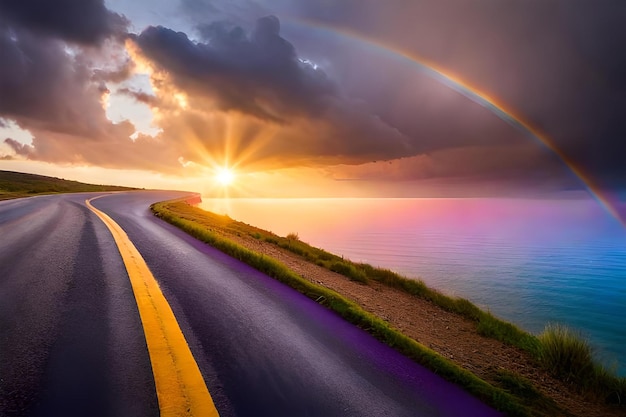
72 342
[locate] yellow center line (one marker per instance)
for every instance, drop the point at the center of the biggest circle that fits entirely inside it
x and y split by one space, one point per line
180 388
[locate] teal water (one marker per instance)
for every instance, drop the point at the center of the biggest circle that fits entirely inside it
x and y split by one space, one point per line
529 261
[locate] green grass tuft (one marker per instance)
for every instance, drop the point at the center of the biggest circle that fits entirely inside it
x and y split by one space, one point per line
566 354
493 327
349 271
517 385
524 389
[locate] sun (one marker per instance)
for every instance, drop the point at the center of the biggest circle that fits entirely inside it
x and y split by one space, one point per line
225 176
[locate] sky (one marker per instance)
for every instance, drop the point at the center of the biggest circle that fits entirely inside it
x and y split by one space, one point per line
345 98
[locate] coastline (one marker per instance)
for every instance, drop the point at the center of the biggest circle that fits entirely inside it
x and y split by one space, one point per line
449 334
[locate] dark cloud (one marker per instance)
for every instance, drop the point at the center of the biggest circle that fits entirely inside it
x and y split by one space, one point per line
470 163
19 148
258 73
200 7
598 33
240 11
55 89
140 96
56 95
116 75
44 86
85 22
558 65
300 114
112 149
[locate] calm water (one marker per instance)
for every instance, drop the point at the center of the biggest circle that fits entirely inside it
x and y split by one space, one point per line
528 261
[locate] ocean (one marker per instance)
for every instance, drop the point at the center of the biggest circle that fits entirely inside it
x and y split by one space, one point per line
528 261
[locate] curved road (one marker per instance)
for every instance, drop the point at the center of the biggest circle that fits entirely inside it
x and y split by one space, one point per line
72 342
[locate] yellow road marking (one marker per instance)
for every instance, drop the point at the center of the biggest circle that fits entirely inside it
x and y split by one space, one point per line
181 390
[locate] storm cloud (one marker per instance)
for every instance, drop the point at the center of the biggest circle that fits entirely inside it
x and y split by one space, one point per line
45 81
558 65
85 22
260 75
42 85
257 73
55 65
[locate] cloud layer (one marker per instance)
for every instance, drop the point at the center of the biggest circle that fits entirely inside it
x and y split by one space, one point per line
259 79
559 65
86 22
247 91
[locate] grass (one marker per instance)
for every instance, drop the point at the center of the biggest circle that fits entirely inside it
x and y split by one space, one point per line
569 356
524 390
17 184
514 395
566 354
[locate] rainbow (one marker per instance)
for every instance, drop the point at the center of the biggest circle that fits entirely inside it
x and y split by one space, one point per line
474 94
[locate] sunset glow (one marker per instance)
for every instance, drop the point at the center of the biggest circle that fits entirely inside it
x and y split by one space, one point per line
279 93
225 176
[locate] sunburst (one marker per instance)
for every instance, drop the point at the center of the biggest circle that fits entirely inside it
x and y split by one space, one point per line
225 176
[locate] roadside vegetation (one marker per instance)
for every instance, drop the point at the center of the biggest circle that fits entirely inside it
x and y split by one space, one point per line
561 351
569 356
17 184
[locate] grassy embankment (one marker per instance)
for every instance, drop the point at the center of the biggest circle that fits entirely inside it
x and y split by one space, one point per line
17 184
561 351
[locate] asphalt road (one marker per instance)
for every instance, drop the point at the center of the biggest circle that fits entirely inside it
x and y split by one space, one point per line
72 343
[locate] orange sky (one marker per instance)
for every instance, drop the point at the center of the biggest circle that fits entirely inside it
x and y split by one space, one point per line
165 94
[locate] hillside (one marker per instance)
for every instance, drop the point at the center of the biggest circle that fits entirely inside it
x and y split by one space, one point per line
18 184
